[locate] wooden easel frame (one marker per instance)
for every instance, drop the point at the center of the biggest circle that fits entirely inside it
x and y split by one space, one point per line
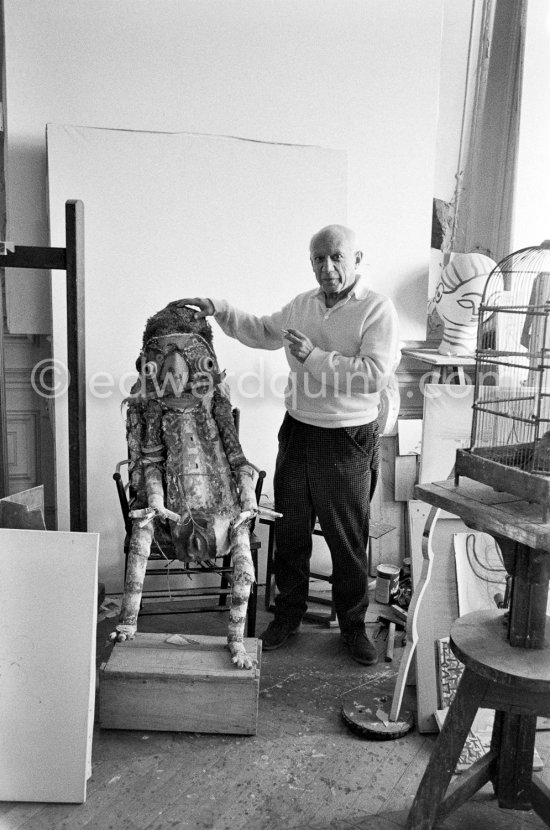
71 260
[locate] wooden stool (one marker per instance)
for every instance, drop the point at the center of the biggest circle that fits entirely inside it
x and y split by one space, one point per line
516 683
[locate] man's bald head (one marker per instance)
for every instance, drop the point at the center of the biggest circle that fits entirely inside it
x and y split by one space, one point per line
340 232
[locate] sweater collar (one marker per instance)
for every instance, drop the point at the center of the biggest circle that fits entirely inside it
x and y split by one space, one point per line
359 290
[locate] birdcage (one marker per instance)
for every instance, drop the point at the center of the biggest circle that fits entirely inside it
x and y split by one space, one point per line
510 441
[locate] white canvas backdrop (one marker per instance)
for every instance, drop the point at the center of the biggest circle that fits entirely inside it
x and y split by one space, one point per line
168 216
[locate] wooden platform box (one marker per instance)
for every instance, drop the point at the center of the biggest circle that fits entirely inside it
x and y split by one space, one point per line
189 685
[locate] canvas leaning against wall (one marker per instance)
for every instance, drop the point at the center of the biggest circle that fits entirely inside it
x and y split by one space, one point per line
168 216
48 668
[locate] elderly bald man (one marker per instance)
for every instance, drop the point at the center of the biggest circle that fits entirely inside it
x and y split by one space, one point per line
342 345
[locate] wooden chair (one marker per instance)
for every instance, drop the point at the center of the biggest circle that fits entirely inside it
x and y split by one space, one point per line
161 564
376 530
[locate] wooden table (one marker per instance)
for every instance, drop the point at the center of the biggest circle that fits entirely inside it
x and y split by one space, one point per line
512 664
446 368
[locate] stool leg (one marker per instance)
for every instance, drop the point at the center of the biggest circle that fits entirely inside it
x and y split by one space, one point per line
529 599
448 747
540 800
253 599
224 583
514 769
269 567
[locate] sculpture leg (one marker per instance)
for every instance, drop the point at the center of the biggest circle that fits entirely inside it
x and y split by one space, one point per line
140 548
243 578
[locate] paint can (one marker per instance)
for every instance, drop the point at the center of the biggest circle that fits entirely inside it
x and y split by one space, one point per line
387 581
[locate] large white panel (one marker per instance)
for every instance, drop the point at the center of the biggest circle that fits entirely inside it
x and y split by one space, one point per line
170 216
48 597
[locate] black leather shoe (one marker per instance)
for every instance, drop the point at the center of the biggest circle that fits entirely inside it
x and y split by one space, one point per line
277 633
361 647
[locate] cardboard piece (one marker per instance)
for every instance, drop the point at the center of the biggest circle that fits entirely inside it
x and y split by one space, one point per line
406 476
48 596
446 427
24 510
409 431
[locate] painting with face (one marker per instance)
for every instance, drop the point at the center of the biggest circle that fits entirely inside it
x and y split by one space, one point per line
457 300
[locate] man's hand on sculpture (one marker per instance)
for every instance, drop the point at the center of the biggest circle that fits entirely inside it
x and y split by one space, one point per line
300 346
204 305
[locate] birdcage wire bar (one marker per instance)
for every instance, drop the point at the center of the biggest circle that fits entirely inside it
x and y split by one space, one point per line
510 438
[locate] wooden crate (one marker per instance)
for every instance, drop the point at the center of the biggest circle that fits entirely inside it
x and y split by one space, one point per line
190 686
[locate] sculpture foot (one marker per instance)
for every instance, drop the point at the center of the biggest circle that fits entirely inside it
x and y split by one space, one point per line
240 657
123 632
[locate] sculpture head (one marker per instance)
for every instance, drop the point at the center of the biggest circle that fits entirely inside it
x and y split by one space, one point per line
457 299
177 355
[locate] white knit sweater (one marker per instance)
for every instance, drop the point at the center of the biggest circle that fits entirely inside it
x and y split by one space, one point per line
356 351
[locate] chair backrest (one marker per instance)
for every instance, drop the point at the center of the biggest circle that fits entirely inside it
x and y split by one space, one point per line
123 496
258 494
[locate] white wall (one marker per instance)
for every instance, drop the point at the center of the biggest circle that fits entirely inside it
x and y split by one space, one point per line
356 75
532 202
459 54
343 74
459 59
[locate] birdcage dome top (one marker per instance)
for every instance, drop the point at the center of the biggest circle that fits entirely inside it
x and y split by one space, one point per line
512 282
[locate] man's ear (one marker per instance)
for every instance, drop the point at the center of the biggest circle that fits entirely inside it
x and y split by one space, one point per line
358 257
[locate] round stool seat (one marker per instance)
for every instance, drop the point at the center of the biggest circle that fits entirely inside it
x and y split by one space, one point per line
479 640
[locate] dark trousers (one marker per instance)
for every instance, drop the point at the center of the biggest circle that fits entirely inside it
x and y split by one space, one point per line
330 474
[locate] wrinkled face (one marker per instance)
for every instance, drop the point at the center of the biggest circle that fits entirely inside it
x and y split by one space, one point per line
177 363
334 261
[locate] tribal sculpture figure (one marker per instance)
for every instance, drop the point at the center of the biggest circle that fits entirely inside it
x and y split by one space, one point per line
193 487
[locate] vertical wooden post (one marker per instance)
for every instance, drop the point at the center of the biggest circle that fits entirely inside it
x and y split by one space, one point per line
4 479
4 476
527 619
76 364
